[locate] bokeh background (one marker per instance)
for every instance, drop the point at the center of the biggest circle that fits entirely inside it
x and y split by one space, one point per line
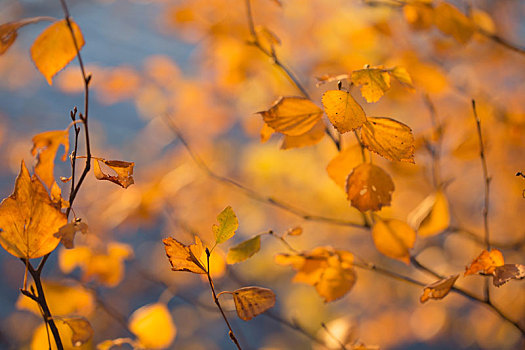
189 61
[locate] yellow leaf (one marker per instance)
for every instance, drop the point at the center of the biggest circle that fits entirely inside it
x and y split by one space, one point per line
328 78
67 232
309 138
482 20
335 281
8 31
267 38
294 231
252 301
119 342
185 258
369 187
266 132
123 169
153 326
63 299
374 82
485 263
29 219
228 224
343 111
81 328
449 20
41 338
419 16
292 115
342 165
394 238
503 274
439 289
389 138
244 250
54 48
402 76
431 216
46 145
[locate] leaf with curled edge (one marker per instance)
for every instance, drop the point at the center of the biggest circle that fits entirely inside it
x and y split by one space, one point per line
252 301
9 31
485 263
439 289
503 274
124 171
394 238
309 138
183 257
389 138
46 144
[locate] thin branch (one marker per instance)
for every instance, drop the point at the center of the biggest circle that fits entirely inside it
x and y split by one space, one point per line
434 147
230 333
253 194
501 41
332 335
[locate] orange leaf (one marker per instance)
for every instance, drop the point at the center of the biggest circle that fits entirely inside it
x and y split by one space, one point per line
374 82
266 132
401 74
485 263
389 138
8 31
336 279
431 216
46 145
252 301
369 187
342 165
292 115
123 169
504 273
81 328
309 138
29 218
394 238
343 111
439 289
67 232
294 231
184 258
451 21
54 48
328 78
153 325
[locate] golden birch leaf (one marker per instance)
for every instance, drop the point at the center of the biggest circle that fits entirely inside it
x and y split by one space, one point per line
485 263
117 343
292 116
29 218
9 31
503 274
40 339
439 289
252 301
244 250
394 238
46 145
54 48
431 216
328 78
294 231
342 165
266 132
450 21
418 16
401 75
369 187
153 325
309 138
124 171
389 138
184 258
374 82
343 111
67 232
228 224
482 20
335 281
82 330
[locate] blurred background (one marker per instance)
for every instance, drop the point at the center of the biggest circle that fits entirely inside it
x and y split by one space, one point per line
189 62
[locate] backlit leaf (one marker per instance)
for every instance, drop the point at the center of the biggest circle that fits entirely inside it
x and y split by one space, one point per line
343 111
401 74
449 20
40 339
342 165
54 48
184 258
503 274
119 342
266 132
374 82
292 115
389 138
309 138
123 169
244 250
67 232
153 325
431 216
394 238
46 145
419 16
369 187
336 280
294 231
485 263
227 226
9 31
29 218
328 78
82 330
439 289
252 301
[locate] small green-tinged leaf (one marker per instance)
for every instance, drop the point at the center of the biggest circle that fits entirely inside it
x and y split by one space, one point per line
227 226
244 250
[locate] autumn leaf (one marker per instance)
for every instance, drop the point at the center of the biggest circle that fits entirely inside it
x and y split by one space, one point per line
309 138
431 216
374 82
292 116
244 250
41 338
343 111
29 219
389 138
9 31
153 325
439 289
67 232
485 263
342 165
369 187
294 231
228 224
184 258
46 145
394 238
54 48
266 132
450 21
124 171
419 16
267 38
401 75
82 330
252 301
503 274
328 78
336 279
